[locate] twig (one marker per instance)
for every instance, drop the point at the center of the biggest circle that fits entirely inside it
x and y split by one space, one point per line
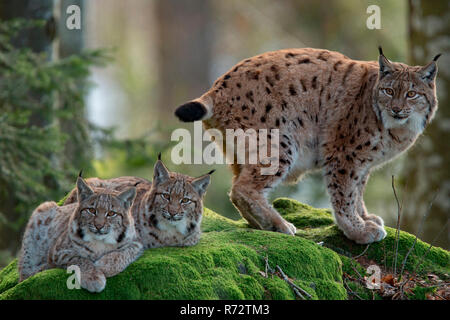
268 268
417 234
350 290
361 279
362 253
299 291
338 250
397 231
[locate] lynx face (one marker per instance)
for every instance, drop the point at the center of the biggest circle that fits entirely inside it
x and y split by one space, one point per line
177 198
405 95
103 216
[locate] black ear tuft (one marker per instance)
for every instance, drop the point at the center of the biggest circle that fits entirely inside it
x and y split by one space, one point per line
81 173
159 156
211 172
380 50
437 57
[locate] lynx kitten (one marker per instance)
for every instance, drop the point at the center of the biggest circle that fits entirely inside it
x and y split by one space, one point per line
167 211
96 233
340 115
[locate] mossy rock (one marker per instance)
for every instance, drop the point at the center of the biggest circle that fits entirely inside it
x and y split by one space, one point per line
318 226
228 261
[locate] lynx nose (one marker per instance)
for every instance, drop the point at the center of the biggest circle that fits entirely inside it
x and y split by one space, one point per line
396 109
99 226
173 213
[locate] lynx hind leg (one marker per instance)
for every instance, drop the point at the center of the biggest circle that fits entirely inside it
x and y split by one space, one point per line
36 243
248 195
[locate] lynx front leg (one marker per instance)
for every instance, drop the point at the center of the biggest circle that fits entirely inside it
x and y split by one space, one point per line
248 194
361 207
116 261
344 192
92 279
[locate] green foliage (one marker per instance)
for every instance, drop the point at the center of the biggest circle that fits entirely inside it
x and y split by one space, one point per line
44 136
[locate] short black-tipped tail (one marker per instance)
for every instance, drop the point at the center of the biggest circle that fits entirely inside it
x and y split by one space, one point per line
191 111
198 109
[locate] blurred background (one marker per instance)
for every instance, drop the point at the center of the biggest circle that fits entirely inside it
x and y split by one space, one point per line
101 98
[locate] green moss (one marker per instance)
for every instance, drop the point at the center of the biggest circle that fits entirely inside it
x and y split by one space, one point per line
9 276
228 261
318 229
302 215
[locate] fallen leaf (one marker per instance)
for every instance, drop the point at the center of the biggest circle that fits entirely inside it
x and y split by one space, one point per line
389 278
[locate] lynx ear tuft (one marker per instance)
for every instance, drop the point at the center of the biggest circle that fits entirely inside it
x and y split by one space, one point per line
212 171
81 173
159 156
380 50
437 56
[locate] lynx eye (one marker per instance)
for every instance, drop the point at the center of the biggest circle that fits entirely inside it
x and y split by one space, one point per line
389 91
411 94
111 214
90 210
185 200
165 196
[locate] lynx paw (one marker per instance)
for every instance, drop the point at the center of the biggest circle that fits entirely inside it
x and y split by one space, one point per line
94 281
285 227
374 218
371 233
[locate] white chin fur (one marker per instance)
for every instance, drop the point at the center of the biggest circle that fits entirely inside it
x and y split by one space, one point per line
414 122
106 238
179 225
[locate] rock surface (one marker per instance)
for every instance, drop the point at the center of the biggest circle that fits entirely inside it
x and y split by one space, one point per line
229 263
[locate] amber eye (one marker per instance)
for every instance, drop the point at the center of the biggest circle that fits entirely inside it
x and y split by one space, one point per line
91 210
411 94
165 196
111 214
185 200
389 91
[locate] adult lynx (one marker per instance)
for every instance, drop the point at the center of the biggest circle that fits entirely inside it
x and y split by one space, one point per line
333 113
95 233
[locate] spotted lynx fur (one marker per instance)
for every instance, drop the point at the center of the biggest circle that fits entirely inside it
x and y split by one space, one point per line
167 211
96 234
340 115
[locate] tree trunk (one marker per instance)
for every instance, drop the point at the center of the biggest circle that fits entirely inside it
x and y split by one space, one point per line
184 52
71 41
427 165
